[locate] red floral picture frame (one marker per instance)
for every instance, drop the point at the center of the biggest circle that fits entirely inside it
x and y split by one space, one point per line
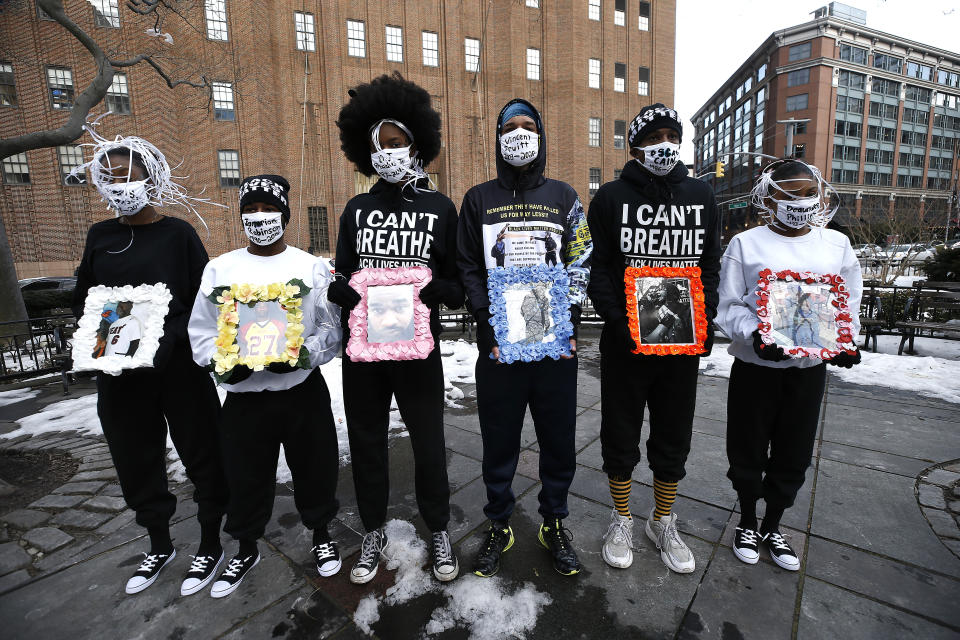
666 311
804 313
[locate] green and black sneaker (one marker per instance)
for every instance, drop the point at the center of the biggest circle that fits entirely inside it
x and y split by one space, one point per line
499 539
556 538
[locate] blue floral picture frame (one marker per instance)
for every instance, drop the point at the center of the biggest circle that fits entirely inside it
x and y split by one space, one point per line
530 312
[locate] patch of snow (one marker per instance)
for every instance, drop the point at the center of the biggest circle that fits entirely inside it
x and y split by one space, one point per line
718 363
459 362
929 376
17 395
907 281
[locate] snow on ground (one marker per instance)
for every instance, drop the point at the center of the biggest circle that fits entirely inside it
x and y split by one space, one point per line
907 281
17 395
487 607
459 362
718 363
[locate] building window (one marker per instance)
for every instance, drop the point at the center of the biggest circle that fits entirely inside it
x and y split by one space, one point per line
106 13
356 39
875 179
799 150
117 99
845 176
471 50
881 134
885 87
593 78
593 132
8 85
223 101
799 52
644 19
15 169
229 163
850 129
795 78
620 12
71 157
617 173
643 82
850 104
887 63
853 80
917 94
319 230
216 13
844 152
915 138
533 64
60 82
306 38
394 44
431 49
919 71
619 134
593 9
761 72
533 3
796 103
619 76
853 54
882 110
948 78
916 116
800 128
594 180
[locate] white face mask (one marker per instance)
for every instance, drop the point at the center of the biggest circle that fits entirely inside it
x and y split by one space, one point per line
519 147
263 227
392 164
660 159
796 213
125 198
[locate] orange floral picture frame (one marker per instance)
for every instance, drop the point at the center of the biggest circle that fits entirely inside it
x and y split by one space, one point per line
662 284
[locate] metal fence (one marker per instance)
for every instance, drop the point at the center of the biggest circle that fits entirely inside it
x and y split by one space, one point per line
36 347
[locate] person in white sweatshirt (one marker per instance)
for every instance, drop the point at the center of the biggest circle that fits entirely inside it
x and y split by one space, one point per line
773 401
281 403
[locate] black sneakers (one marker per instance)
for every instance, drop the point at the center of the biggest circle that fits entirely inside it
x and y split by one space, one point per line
235 573
556 538
146 574
328 558
445 564
366 566
200 573
780 551
746 545
499 539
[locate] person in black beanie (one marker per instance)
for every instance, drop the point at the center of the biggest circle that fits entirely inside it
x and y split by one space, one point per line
518 220
654 215
390 128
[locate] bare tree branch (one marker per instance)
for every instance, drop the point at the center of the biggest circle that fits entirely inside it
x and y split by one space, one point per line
143 57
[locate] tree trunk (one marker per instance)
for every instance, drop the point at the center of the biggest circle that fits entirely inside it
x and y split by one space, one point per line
12 308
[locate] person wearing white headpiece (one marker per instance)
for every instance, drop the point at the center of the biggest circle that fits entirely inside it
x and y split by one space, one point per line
773 401
141 246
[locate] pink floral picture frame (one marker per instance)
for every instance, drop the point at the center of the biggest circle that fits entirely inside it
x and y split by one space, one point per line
390 322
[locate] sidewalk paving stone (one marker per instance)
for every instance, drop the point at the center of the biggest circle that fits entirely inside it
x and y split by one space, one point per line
47 539
89 487
12 557
105 503
25 518
57 502
77 519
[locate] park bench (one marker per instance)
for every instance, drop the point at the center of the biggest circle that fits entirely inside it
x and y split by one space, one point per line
932 308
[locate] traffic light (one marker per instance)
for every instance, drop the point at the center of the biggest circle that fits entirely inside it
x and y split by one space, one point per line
720 168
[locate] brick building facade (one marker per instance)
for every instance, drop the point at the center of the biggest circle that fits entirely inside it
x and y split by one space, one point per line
282 71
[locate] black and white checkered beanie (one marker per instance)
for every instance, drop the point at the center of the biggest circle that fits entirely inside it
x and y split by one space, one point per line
267 188
653 117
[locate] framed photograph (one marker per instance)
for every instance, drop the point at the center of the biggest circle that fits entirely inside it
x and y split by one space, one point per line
390 322
259 325
121 328
530 312
665 310
804 313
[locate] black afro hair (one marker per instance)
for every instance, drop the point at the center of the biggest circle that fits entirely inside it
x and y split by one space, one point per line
388 97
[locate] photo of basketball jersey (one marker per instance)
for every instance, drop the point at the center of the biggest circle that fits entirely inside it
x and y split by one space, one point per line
262 339
121 333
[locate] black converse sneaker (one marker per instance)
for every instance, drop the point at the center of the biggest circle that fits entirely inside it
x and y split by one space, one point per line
445 564
146 574
746 545
328 558
236 571
556 538
499 539
374 544
200 573
780 551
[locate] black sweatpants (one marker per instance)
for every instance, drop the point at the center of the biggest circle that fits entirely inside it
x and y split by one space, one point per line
418 387
503 393
253 426
136 408
775 409
668 385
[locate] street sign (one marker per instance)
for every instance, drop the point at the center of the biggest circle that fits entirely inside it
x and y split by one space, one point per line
737 205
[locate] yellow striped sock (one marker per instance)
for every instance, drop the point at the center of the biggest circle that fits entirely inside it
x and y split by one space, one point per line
620 492
664 493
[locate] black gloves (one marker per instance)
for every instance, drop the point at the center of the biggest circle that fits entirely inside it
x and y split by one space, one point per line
442 291
708 342
238 374
486 341
575 312
845 360
280 367
622 336
342 294
771 352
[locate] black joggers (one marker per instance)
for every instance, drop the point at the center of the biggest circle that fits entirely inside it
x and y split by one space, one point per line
135 409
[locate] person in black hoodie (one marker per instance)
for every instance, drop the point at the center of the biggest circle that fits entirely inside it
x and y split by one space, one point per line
136 408
654 215
501 223
390 128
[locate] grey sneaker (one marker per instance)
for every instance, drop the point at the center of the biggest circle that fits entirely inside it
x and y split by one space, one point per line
673 551
618 541
445 564
374 544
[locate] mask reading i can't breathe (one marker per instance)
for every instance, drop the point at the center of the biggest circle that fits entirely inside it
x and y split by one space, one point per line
263 228
519 147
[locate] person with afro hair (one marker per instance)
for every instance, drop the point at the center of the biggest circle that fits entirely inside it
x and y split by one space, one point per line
390 129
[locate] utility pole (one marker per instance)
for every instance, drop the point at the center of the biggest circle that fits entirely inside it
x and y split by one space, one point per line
791 127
